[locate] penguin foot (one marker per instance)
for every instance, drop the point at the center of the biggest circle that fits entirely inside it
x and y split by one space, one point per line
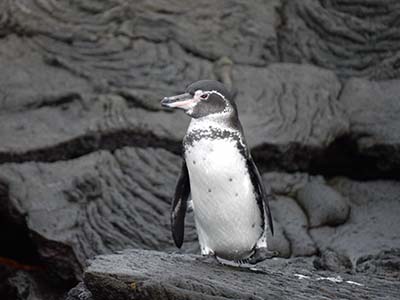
261 254
208 258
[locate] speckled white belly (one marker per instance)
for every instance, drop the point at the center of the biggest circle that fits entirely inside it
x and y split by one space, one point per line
227 216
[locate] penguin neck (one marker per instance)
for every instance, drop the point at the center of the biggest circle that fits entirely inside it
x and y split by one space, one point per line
213 128
229 122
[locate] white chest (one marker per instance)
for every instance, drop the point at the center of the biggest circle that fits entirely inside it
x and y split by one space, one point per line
227 215
217 161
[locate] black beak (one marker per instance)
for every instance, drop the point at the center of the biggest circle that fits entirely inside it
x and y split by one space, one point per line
178 101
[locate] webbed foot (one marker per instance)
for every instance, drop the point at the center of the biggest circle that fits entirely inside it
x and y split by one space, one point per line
261 254
208 258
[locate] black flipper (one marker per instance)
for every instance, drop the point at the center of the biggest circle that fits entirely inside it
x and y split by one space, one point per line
179 205
260 190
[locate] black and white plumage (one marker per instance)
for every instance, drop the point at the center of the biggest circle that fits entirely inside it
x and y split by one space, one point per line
229 200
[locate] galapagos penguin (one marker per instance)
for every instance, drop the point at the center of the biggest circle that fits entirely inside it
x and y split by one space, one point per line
229 200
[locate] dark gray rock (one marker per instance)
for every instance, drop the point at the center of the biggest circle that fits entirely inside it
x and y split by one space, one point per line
69 125
353 38
295 225
287 184
373 224
323 205
96 72
332 261
373 109
154 275
24 74
105 72
278 242
80 292
98 90
95 204
244 31
18 284
5 290
287 111
385 264
287 104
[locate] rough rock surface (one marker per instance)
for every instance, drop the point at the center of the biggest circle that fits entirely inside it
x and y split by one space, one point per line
295 225
98 203
373 109
372 230
278 242
220 28
287 103
96 67
289 183
5 289
353 38
80 292
333 261
28 285
323 205
385 264
155 275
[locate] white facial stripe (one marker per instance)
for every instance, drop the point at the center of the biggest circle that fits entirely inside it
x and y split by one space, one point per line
198 94
227 106
218 93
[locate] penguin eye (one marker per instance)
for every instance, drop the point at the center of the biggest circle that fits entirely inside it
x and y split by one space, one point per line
204 96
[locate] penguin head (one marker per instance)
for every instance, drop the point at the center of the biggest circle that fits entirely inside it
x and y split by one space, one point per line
203 98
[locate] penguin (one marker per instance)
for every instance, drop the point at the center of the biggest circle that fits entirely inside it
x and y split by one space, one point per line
228 198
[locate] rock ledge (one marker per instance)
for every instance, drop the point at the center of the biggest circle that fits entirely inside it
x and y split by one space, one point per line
139 274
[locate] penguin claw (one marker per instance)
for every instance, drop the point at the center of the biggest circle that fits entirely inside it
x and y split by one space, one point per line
260 255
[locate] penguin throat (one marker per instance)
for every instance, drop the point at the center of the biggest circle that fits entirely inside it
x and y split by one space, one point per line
209 129
223 120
